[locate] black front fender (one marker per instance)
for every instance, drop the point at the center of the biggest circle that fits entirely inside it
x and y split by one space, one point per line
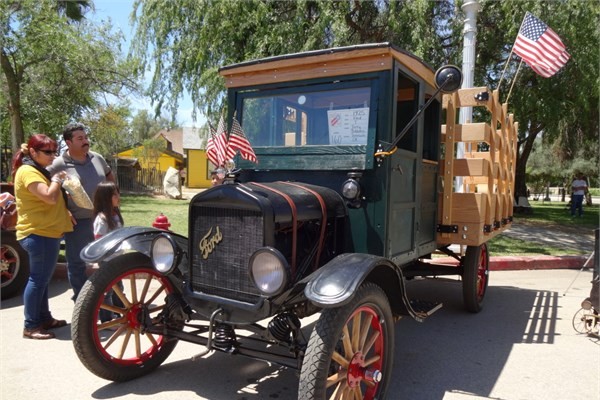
123 240
334 284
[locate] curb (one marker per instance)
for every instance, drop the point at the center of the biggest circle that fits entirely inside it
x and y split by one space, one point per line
498 263
517 263
508 263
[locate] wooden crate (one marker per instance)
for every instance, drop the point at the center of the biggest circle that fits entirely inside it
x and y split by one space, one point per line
481 206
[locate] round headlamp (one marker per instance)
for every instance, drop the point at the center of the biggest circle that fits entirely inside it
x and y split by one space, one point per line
163 253
351 189
269 271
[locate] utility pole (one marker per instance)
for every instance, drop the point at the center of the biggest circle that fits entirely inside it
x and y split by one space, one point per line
470 8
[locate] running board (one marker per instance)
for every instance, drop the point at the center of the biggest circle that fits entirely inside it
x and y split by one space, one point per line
425 308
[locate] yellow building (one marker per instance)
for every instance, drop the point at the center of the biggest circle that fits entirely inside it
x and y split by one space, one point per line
198 169
197 165
172 156
184 148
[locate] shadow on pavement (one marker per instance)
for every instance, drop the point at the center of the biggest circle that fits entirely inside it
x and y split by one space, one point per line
452 351
242 379
455 351
56 288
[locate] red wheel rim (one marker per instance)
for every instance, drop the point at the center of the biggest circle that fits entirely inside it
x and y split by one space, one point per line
8 260
359 359
120 340
482 272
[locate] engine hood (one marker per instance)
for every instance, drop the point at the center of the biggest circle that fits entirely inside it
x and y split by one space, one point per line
283 200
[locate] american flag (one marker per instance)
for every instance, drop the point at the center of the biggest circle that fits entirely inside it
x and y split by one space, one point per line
217 145
540 47
211 151
238 141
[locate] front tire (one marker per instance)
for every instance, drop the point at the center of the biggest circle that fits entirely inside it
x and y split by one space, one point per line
476 268
350 351
119 349
14 266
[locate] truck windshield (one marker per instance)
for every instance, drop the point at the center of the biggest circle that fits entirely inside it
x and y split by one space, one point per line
337 117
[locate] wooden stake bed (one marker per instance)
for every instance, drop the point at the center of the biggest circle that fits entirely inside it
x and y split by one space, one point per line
482 206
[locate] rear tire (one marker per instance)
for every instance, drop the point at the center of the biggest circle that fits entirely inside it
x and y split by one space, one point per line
584 321
117 349
14 268
348 346
476 267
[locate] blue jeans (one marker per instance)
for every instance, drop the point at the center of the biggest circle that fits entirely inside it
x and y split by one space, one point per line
577 204
82 235
43 254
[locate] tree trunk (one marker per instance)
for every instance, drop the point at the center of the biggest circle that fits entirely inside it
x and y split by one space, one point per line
14 103
523 156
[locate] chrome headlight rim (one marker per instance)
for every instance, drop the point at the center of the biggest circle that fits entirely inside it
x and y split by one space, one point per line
163 253
262 278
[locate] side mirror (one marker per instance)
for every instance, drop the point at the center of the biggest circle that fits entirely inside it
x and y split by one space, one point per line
448 78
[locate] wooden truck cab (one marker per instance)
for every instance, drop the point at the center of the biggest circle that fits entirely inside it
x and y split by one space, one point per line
411 204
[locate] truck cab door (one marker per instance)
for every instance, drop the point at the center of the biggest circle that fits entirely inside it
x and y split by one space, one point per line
413 173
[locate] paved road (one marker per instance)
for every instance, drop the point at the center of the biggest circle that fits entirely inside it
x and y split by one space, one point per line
521 346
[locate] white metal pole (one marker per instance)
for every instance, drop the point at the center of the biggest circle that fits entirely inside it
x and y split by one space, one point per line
470 8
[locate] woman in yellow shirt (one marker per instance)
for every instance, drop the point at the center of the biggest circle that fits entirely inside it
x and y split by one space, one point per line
42 220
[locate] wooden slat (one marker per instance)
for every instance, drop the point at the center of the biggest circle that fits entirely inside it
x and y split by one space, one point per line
471 167
330 68
466 98
473 133
448 162
468 207
275 63
473 236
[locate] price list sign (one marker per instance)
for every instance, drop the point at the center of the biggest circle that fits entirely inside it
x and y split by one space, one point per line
348 127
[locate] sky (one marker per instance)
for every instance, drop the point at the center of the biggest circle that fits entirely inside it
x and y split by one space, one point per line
118 11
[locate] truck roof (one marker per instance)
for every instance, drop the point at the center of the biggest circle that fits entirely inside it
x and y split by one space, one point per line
324 63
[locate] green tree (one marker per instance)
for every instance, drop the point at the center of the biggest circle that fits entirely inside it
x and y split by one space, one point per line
564 107
109 129
151 149
543 168
144 126
55 65
186 42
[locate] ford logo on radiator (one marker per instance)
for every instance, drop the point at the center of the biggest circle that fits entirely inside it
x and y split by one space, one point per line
210 241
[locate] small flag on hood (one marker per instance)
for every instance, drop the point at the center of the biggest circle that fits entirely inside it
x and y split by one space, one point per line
238 141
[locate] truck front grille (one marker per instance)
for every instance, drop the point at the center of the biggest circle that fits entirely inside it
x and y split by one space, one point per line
221 269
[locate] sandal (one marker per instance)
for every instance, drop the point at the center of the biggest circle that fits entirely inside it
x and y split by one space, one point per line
53 323
38 333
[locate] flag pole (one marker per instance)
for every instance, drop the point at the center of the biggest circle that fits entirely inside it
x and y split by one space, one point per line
210 127
511 51
514 80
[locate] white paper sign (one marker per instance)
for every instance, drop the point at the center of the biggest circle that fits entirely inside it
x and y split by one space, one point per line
348 127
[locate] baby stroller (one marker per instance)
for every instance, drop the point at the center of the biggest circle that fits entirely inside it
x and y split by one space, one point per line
586 319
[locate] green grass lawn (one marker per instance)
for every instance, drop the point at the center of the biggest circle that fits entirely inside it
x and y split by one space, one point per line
143 210
557 213
553 215
504 245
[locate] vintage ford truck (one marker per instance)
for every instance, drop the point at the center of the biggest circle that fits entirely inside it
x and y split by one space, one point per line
353 194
